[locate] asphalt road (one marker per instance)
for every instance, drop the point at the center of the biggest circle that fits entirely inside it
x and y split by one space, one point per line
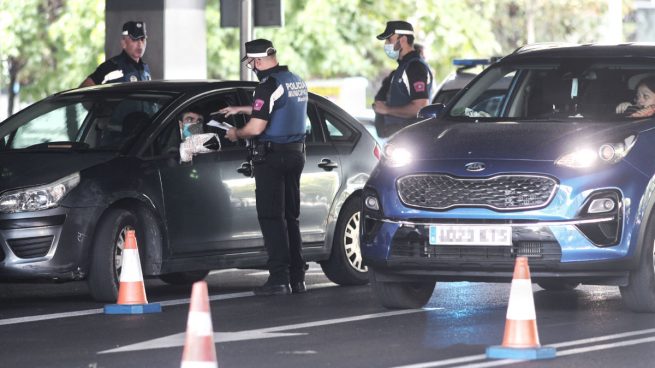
57 325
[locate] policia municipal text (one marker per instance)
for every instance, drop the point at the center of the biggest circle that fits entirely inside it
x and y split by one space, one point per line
277 120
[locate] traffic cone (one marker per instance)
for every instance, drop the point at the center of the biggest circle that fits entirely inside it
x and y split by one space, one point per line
521 339
199 350
131 291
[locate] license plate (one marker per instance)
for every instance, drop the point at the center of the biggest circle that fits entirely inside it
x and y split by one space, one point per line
470 235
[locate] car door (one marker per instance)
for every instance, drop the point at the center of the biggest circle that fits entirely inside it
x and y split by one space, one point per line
321 178
209 206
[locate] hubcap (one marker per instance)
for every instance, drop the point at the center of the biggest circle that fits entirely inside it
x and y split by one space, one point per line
351 243
118 251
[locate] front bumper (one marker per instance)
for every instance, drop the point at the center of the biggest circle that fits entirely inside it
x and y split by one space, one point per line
401 250
52 244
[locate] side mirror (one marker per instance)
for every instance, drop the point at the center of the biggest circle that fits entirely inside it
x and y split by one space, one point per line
430 111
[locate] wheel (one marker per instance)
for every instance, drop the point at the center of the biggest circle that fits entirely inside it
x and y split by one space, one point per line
183 278
639 294
345 267
107 253
558 285
402 295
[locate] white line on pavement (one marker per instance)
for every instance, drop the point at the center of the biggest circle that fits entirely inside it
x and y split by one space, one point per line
87 312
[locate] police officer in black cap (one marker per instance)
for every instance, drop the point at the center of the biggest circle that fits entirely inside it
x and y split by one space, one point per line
407 89
128 66
277 121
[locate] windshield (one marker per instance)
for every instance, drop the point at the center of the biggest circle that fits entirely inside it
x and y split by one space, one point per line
74 122
556 89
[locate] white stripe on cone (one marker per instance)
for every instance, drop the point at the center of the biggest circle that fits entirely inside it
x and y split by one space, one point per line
521 302
131 267
200 324
199 365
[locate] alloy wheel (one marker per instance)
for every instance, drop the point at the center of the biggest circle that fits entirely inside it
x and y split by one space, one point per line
351 243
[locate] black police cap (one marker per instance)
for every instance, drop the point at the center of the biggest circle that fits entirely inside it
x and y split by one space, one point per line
134 29
259 48
398 27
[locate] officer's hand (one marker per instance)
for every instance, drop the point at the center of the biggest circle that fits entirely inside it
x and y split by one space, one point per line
227 111
380 107
231 134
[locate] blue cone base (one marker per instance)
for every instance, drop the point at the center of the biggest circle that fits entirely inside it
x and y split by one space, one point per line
132 308
501 352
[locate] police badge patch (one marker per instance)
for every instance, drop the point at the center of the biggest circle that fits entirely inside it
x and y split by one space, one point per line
133 78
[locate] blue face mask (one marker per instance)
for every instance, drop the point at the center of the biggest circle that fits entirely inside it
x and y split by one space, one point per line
389 50
186 133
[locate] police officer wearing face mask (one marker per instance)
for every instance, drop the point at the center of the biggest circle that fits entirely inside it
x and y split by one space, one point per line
128 66
407 89
277 121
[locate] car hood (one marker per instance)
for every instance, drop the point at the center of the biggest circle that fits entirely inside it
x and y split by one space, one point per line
20 169
436 139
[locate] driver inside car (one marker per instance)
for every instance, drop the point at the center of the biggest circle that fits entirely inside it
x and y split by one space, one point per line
644 100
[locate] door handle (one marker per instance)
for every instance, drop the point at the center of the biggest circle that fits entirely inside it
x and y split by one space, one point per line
245 169
327 164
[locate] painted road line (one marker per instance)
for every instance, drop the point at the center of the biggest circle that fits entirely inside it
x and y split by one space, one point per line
87 312
495 363
177 340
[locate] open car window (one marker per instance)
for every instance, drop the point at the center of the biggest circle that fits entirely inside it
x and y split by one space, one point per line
81 122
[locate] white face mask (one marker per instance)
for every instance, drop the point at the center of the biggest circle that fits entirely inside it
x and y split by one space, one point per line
389 50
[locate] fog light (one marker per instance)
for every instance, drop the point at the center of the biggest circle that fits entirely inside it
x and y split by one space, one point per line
601 205
607 152
372 203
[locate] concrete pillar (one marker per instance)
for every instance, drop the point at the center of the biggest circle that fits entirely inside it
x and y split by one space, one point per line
177 36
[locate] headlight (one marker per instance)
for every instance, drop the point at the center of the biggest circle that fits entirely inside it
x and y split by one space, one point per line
38 198
396 156
605 153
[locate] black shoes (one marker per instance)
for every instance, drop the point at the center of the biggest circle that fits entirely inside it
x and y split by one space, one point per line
272 289
298 287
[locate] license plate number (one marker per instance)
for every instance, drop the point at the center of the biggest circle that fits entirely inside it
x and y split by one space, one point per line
470 235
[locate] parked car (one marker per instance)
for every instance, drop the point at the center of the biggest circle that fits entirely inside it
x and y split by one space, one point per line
82 167
550 172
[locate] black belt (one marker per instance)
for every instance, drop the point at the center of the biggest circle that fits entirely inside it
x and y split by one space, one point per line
284 147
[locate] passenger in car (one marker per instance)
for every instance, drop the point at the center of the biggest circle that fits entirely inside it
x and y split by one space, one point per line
644 100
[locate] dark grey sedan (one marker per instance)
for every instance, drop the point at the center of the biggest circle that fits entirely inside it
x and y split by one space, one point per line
80 168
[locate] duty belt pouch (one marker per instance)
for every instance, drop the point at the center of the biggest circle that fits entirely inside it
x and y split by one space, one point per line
259 153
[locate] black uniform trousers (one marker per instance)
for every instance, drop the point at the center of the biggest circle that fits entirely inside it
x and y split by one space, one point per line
277 180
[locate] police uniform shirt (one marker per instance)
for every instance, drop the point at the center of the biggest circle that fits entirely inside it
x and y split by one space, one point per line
266 94
131 70
416 81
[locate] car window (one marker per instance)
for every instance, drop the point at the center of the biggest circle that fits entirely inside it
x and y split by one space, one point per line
81 122
337 131
578 89
169 139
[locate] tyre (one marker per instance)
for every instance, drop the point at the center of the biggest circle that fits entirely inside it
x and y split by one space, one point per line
345 267
107 253
402 295
558 285
183 278
639 294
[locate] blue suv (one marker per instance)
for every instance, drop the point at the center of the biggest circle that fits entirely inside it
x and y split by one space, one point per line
534 158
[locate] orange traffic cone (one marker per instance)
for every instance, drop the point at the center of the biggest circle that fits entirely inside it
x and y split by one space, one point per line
521 339
199 349
131 291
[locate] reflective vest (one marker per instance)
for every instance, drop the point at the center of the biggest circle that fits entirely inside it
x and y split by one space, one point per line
131 73
399 87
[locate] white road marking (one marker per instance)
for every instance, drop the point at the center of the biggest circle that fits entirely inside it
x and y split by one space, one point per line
87 312
495 363
261 333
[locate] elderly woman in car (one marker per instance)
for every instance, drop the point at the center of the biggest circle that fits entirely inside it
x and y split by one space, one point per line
644 100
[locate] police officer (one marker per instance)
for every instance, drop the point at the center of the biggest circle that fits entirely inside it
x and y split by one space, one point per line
128 66
407 89
277 121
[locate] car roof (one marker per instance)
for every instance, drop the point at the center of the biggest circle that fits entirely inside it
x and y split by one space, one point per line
554 50
161 86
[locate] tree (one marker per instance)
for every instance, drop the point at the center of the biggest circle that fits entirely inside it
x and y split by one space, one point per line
49 45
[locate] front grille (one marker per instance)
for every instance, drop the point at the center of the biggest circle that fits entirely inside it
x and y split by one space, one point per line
31 247
504 192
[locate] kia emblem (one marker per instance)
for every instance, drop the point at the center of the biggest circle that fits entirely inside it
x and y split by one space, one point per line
474 166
